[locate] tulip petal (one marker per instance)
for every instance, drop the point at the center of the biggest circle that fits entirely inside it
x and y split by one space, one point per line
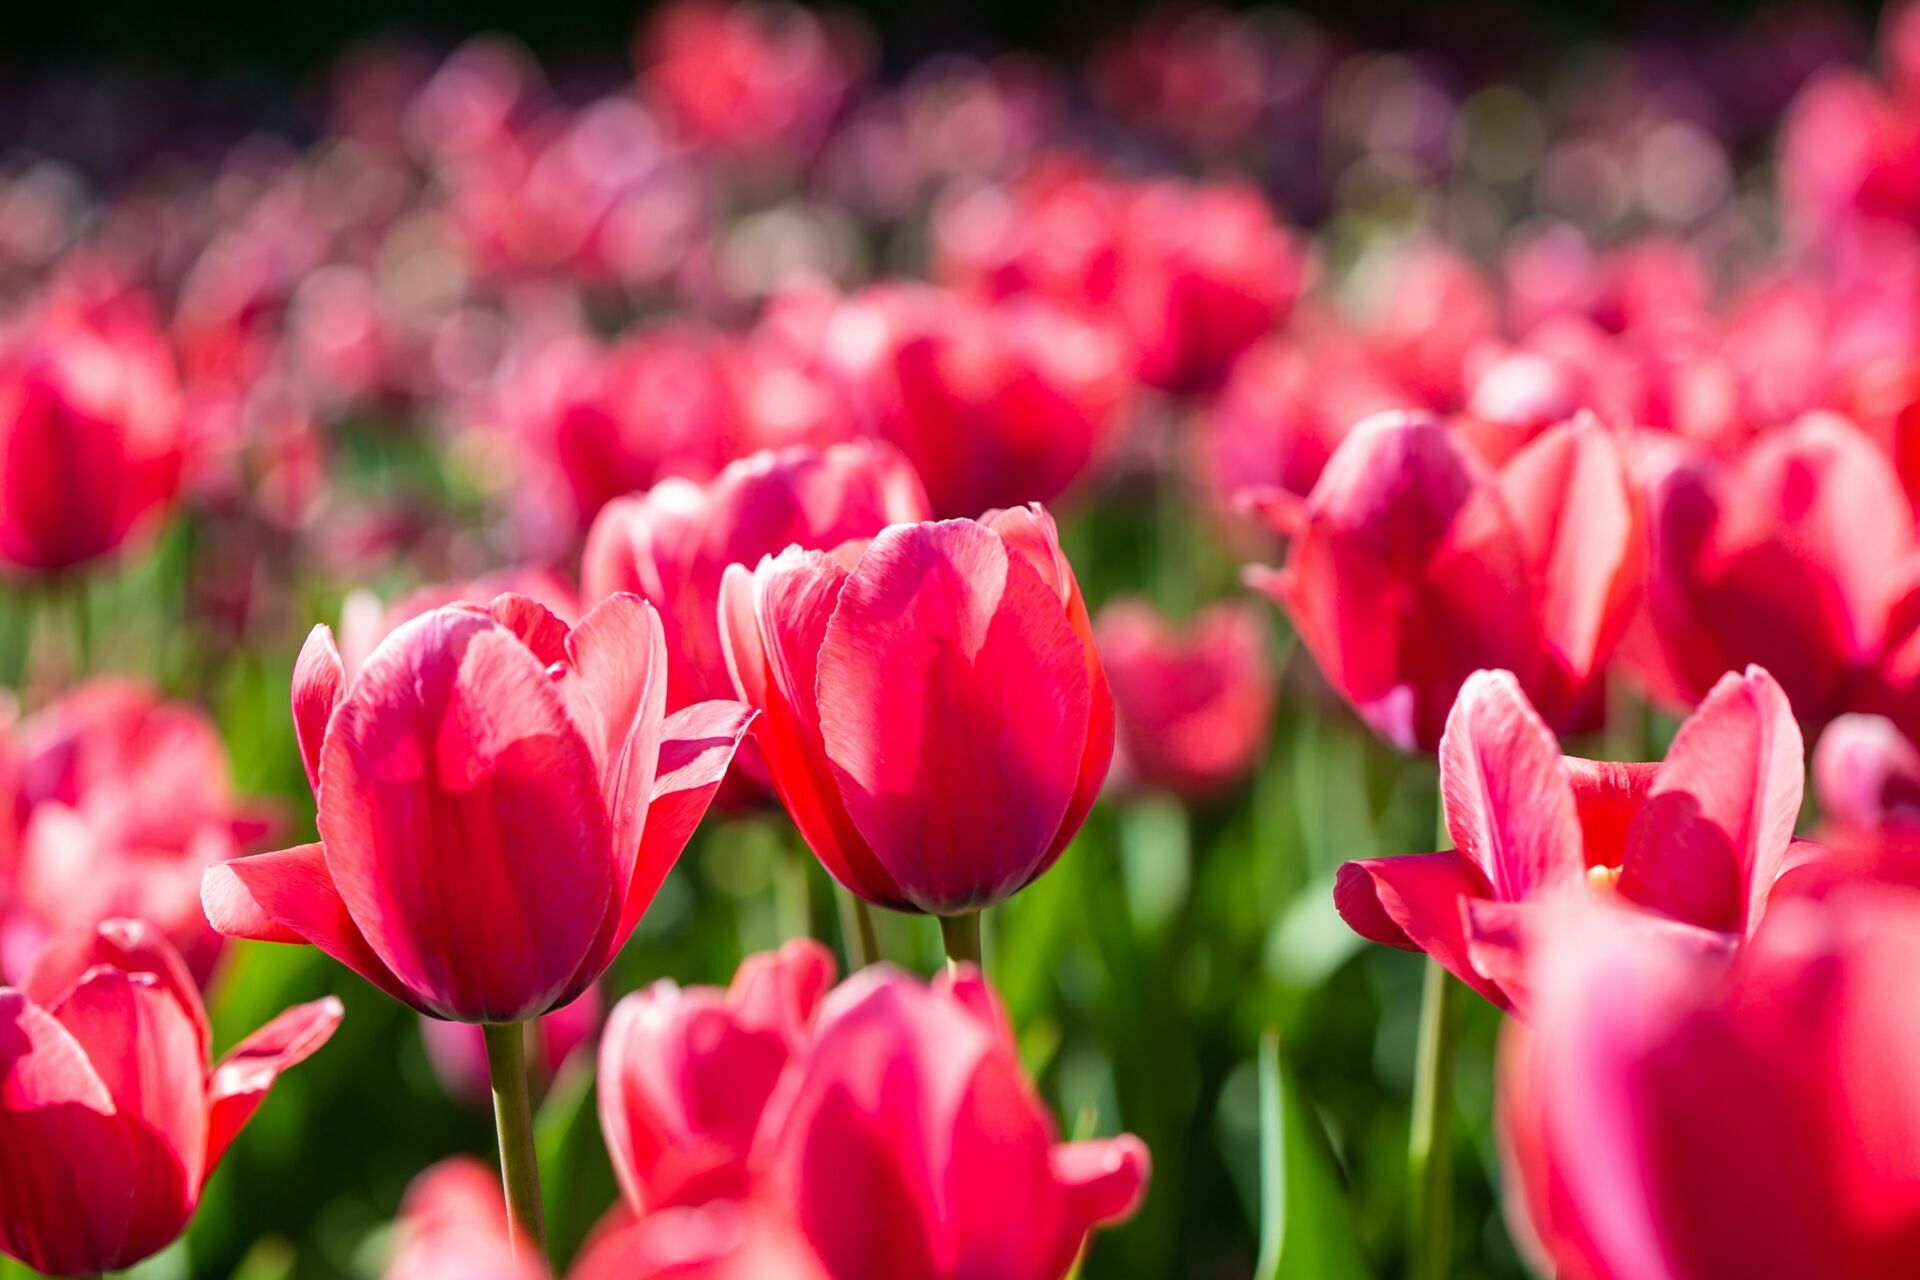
1413 901
1608 796
130 945
1509 806
615 687
774 622
289 896
242 1080
319 682
1105 1180
1581 524
1030 530
536 626
146 1049
66 1202
950 658
697 744
1713 834
1863 768
463 821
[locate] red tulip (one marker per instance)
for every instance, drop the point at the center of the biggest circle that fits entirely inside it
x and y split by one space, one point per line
499 800
908 1142
1699 839
936 719
1191 275
1195 704
671 545
120 801
1787 556
1674 1113
1413 565
608 421
90 436
685 1074
993 403
112 1116
457 1051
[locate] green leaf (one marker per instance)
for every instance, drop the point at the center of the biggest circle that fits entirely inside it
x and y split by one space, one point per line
1305 1230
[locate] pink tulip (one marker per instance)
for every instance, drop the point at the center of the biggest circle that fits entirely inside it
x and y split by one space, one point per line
1191 275
90 435
1675 1113
115 804
453 1226
994 404
1788 555
1866 774
914 1096
686 1073
1194 704
671 545
112 1116
1413 565
500 798
935 716
609 420
1698 840
724 1240
457 1051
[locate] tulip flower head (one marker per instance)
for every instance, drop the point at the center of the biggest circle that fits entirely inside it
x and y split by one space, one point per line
1678 1111
90 436
936 718
884 1129
500 798
112 1115
1413 565
1698 840
1194 704
672 544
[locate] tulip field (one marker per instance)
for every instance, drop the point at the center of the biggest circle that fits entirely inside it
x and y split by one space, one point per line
1233 652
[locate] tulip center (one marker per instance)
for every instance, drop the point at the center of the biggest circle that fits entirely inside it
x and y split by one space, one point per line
1603 879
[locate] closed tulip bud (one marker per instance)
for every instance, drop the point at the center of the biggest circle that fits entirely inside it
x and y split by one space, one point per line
90 436
685 1074
914 1095
671 545
936 718
499 800
113 1115
1414 564
1194 704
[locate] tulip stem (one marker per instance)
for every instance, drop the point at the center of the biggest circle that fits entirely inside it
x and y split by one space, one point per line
858 929
1429 1157
513 1116
961 934
80 601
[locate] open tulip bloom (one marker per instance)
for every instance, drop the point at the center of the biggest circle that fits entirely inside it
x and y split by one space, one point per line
499 799
112 1115
1413 564
935 716
1699 840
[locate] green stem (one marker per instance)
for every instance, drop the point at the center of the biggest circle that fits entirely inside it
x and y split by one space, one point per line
79 601
1429 1162
1273 1160
513 1117
961 934
858 929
